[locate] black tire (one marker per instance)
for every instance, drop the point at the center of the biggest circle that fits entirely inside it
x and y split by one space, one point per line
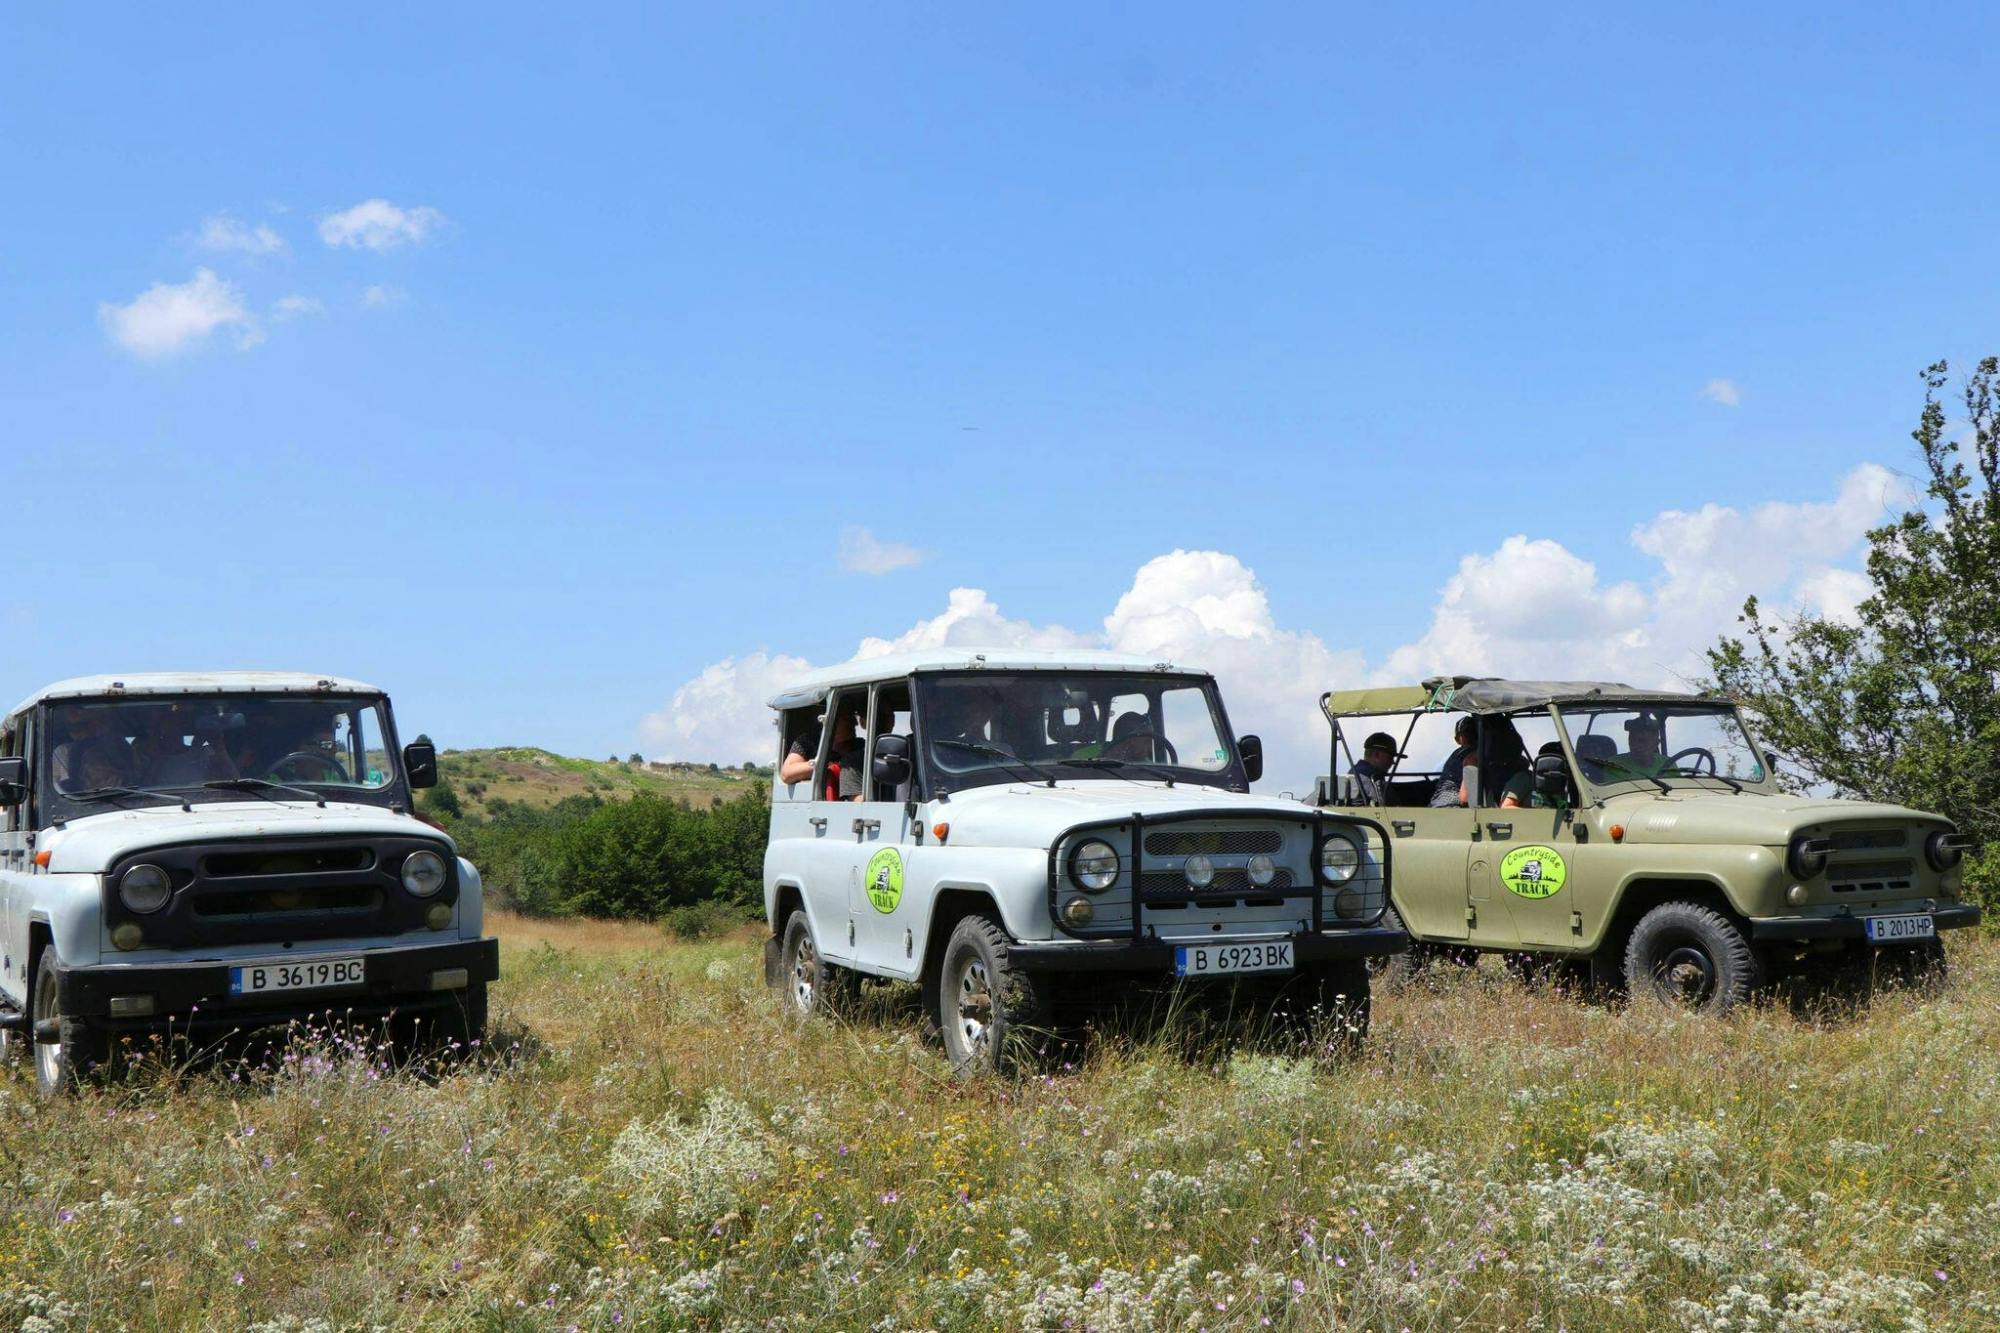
1327 1003
1692 957
61 1066
813 987
986 1009
1913 967
1393 971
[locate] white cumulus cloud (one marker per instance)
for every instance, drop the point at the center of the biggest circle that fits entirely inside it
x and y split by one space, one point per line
862 552
1722 391
1530 607
377 224
378 294
295 307
172 317
226 234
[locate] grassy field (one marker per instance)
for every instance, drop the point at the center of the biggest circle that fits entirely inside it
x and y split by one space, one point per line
524 775
653 1145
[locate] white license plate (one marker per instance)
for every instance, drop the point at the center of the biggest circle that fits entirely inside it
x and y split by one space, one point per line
1888 929
1208 960
300 974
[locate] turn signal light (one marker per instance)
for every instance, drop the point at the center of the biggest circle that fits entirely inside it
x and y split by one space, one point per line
42 859
940 831
1617 833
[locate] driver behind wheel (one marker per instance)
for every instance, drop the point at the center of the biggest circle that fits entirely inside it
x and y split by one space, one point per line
1643 759
313 756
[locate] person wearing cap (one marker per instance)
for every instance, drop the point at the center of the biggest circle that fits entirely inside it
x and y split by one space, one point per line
1371 770
1451 778
1643 759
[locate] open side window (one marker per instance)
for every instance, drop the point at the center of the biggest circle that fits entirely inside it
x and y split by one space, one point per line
799 733
842 771
890 718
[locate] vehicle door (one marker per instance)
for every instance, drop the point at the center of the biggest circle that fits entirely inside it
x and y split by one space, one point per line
809 838
880 831
1517 870
1427 843
16 863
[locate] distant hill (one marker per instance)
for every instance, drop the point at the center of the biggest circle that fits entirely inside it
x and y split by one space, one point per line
524 775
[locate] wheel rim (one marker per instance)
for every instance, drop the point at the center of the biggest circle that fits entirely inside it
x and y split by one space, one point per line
974 1023
1687 974
48 1055
805 964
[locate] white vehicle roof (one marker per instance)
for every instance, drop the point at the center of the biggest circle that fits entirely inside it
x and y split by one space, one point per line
195 682
895 666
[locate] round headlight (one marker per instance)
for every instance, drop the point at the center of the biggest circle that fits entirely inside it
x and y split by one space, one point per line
1094 866
423 873
1806 857
1943 850
1078 912
1338 860
144 889
1262 870
1200 871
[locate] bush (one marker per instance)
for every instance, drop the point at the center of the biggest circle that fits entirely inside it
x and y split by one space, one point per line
702 921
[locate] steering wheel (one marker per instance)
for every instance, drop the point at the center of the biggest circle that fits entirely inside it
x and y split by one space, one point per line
1674 760
1144 747
329 770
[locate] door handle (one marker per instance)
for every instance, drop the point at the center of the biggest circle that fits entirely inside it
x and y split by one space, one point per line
1404 827
818 822
1499 829
865 826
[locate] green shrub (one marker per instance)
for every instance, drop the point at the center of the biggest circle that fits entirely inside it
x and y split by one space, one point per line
702 921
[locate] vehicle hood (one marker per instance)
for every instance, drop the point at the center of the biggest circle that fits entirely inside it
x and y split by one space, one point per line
1023 815
90 845
1768 819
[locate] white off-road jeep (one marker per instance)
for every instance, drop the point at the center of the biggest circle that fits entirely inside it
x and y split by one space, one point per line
201 854
999 826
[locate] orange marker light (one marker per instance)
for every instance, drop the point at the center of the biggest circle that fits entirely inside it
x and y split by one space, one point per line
42 859
940 831
1617 833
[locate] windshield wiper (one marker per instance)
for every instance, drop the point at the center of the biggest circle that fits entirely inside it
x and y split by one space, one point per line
995 752
91 795
1094 761
264 787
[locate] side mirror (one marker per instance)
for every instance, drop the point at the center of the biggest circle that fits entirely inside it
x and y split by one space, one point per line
1251 748
420 763
892 760
13 781
1551 775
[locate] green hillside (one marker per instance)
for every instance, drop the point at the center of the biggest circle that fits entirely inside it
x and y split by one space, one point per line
535 778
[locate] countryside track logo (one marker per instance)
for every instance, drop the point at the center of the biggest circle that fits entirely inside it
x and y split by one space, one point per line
1533 872
885 879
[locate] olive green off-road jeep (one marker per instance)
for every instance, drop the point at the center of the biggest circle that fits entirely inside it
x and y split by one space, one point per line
1633 838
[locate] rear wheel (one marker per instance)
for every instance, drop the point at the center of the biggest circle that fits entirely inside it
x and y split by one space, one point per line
986 1007
812 985
1692 957
66 1048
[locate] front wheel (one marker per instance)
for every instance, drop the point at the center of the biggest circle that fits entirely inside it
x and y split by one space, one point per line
986 1007
1692 957
66 1048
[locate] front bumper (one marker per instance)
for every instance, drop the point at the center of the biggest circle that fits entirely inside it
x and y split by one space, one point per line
196 995
1852 927
1158 955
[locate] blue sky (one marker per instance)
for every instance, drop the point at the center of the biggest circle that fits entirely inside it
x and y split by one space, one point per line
666 301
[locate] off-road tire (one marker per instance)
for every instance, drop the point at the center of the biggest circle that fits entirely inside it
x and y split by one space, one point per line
1393 971
1328 1003
812 987
61 1066
1693 957
987 1011
1912 967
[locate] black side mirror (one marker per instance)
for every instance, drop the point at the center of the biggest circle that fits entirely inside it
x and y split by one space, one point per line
892 760
420 762
1251 749
13 781
1551 775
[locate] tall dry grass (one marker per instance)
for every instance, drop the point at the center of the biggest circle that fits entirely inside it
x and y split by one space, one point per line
653 1145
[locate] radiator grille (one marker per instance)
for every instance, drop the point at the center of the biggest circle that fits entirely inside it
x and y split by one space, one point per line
1229 882
1855 840
1846 871
1214 842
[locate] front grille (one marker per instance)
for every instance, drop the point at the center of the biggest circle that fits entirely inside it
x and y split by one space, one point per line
1842 872
303 861
1855 840
1215 842
254 904
1229 882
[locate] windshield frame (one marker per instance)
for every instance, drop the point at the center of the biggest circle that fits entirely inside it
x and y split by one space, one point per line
1589 787
53 806
936 782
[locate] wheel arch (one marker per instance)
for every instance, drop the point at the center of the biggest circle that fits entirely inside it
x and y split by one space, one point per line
1642 893
950 906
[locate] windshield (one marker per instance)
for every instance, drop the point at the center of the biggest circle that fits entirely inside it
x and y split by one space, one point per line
1640 742
103 753
993 726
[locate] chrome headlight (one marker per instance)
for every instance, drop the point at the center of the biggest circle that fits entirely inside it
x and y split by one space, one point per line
1806 857
423 873
1094 866
144 888
1200 871
1944 850
1339 859
1261 870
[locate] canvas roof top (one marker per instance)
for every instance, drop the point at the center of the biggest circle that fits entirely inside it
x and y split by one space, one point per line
1487 694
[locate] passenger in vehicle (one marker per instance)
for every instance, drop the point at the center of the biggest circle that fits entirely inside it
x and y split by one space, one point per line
843 759
1594 752
1371 770
1451 778
161 754
1133 739
1521 791
968 719
83 730
1502 755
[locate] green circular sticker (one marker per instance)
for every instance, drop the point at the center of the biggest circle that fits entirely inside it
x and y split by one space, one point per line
885 879
1533 872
